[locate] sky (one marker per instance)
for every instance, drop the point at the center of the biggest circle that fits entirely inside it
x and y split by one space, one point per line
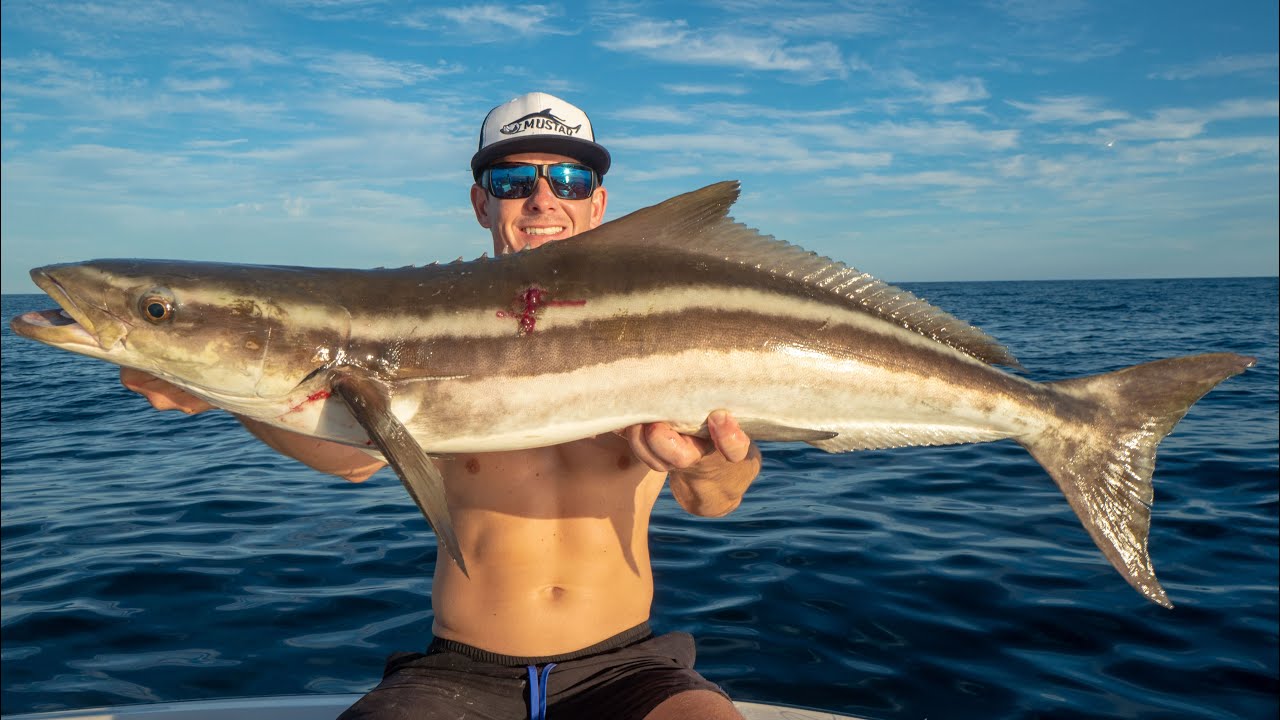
916 141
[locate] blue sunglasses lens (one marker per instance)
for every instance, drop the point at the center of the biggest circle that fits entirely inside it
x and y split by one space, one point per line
510 182
569 181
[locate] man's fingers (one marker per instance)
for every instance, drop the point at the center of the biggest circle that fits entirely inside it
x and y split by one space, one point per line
134 379
636 435
676 451
728 436
161 394
663 449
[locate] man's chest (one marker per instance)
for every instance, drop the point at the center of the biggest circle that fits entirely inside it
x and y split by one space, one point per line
599 478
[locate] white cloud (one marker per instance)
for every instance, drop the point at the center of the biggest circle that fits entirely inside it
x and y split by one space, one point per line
1183 123
1038 12
789 114
1012 167
215 144
932 137
724 139
1071 110
816 17
696 89
659 114
43 63
240 57
1244 108
378 112
491 22
660 174
843 24
196 85
1203 150
1221 66
368 71
335 10
960 90
99 20
295 206
942 178
731 148
674 41
943 92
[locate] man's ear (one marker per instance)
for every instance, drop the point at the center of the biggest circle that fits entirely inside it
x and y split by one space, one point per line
480 203
599 200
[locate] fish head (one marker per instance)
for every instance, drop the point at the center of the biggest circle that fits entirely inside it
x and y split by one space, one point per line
221 332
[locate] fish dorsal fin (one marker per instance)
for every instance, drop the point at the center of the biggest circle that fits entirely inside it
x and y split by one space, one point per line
698 222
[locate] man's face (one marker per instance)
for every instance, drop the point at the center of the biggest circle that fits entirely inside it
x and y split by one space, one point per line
540 218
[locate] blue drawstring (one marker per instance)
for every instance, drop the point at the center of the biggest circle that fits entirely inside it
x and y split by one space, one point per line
538 691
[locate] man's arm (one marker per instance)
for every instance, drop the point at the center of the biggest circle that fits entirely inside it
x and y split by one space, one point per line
708 476
328 457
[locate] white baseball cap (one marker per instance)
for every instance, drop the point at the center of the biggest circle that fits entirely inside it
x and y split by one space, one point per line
538 122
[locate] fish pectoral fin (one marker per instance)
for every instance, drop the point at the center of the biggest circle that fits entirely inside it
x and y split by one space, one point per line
370 403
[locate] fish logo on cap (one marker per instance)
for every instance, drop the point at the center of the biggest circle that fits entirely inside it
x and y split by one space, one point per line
543 120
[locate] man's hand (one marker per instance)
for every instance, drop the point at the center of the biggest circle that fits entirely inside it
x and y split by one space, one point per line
161 394
708 475
660 447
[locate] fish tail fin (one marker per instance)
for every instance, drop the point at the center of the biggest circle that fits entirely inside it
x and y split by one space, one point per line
1103 462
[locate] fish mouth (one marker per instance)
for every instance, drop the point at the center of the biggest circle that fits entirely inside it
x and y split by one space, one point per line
68 326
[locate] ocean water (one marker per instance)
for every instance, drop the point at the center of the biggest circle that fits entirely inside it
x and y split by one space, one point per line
153 556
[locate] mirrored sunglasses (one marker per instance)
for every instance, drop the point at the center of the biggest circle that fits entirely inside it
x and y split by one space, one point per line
516 181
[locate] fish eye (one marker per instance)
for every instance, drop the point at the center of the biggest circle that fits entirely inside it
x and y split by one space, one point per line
156 308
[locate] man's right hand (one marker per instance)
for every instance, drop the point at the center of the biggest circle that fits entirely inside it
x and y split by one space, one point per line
162 394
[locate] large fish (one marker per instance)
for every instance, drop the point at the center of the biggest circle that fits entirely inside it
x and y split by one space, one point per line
663 315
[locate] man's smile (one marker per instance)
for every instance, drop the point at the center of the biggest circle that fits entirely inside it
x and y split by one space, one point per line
552 230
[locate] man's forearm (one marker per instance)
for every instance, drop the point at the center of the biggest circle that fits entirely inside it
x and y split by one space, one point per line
714 487
329 457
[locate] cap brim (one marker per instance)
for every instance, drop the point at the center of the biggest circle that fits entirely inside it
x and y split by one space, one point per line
591 154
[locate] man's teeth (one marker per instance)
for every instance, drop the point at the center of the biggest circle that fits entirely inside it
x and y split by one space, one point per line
544 230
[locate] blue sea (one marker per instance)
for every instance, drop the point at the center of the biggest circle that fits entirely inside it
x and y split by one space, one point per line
153 556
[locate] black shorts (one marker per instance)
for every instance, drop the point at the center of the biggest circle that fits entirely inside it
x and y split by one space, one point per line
623 677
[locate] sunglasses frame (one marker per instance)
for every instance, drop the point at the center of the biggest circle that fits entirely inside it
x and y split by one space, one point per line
543 171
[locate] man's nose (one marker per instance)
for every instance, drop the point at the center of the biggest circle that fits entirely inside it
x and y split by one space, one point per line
542 196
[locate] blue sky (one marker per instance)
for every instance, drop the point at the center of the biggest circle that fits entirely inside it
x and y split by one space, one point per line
918 141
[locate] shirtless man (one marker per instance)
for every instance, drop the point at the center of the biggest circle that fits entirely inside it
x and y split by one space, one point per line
554 611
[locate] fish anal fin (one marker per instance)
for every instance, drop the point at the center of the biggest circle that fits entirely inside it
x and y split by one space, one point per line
370 404
883 436
864 436
759 428
762 429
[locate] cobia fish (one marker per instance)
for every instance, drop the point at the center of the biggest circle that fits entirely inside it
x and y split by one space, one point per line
666 314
